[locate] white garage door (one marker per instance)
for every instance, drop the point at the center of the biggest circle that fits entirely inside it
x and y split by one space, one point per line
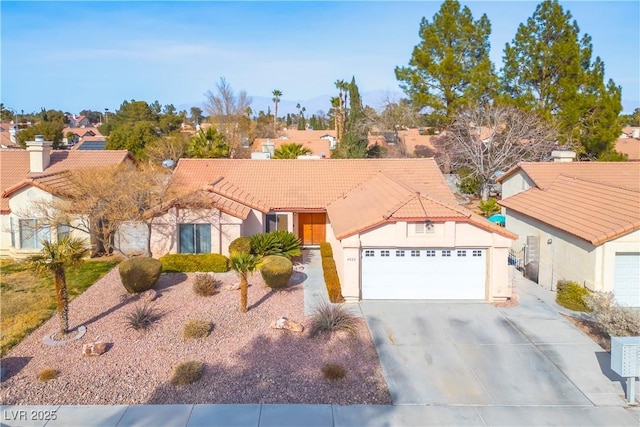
423 273
627 279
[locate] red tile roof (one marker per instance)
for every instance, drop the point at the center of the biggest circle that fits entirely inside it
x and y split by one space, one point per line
592 211
630 147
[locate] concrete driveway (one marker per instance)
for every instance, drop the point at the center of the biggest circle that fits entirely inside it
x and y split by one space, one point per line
456 353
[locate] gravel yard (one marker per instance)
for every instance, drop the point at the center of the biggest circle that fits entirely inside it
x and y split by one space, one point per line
245 361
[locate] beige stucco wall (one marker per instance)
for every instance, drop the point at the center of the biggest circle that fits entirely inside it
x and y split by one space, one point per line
606 262
516 183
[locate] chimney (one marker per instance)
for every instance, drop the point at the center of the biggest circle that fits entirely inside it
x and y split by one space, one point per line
39 154
563 156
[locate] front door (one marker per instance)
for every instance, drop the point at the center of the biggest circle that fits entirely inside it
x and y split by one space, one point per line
311 228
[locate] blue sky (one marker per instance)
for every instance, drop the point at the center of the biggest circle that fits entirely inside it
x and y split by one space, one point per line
94 55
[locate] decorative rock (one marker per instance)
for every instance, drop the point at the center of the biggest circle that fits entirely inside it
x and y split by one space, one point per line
95 348
233 287
284 323
149 295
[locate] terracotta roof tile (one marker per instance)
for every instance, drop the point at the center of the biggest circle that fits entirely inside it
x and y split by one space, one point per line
593 211
317 146
630 147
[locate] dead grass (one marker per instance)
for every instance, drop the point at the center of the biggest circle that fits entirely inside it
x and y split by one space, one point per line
592 330
47 375
187 373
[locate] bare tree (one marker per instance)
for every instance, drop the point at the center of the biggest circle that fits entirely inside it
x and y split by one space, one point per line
489 139
226 110
170 147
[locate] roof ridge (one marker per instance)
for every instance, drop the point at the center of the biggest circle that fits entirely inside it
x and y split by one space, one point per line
592 181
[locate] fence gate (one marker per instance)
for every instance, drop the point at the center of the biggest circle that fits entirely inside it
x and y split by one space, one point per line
532 258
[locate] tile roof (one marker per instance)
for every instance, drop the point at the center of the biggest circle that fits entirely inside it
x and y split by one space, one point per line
616 174
630 147
593 211
14 169
317 146
302 184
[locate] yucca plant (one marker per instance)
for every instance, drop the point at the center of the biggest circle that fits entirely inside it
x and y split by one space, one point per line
489 207
290 151
243 263
288 243
328 318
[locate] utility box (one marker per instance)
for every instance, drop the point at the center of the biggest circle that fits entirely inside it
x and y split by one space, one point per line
625 356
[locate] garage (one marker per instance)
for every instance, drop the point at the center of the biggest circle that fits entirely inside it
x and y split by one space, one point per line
627 279
423 273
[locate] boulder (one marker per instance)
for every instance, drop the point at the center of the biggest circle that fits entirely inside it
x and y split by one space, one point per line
95 348
149 295
290 325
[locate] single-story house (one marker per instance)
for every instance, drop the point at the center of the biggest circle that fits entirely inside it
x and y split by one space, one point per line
395 227
577 221
37 173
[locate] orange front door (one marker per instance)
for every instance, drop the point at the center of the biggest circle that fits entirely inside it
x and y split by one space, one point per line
311 228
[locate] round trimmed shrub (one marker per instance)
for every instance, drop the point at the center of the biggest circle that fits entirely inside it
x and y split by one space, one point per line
139 274
276 271
241 244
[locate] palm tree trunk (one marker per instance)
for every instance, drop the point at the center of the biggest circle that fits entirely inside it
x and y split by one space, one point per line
62 299
243 292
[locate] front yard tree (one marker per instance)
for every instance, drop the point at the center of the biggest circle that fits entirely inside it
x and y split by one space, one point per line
489 139
450 68
243 263
549 69
55 258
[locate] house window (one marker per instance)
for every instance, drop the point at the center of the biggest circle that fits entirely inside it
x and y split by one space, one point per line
477 253
415 253
195 239
399 253
384 253
423 227
32 233
430 253
369 253
446 253
63 231
461 253
277 222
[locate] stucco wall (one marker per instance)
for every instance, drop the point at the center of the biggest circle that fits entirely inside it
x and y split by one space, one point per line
605 275
516 183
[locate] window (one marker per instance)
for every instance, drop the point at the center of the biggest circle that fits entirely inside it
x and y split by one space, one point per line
429 253
477 253
195 239
415 253
423 227
63 231
277 222
369 253
384 253
32 232
461 253
399 253
446 253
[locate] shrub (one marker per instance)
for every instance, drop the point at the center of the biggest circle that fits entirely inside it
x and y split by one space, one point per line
613 319
489 207
204 285
326 251
47 375
331 279
288 243
142 317
333 372
283 243
241 244
328 318
276 271
187 373
139 274
572 295
196 328
191 263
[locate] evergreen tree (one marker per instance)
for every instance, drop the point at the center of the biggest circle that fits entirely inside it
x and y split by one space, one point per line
548 69
354 142
450 68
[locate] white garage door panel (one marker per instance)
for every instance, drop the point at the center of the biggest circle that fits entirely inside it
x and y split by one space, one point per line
627 279
423 274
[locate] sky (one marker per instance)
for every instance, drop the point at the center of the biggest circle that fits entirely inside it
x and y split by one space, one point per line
77 55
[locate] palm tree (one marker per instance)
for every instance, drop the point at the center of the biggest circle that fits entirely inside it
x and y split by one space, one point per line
276 98
290 151
56 258
243 263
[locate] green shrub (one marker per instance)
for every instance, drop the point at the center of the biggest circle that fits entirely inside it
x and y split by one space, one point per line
47 375
328 318
326 251
489 207
139 274
241 244
196 328
288 243
468 184
187 373
191 263
276 271
572 295
613 319
204 285
331 279
142 317
333 372
283 243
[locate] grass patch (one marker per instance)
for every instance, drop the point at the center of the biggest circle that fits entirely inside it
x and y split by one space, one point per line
204 285
329 318
28 300
142 317
47 375
196 328
187 373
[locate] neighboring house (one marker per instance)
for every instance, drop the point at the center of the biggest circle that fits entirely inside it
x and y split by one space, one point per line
8 133
394 225
78 121
39 173
629 143
97 142
320 142
577 221
409 142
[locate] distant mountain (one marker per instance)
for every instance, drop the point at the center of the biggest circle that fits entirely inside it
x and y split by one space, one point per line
372 98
